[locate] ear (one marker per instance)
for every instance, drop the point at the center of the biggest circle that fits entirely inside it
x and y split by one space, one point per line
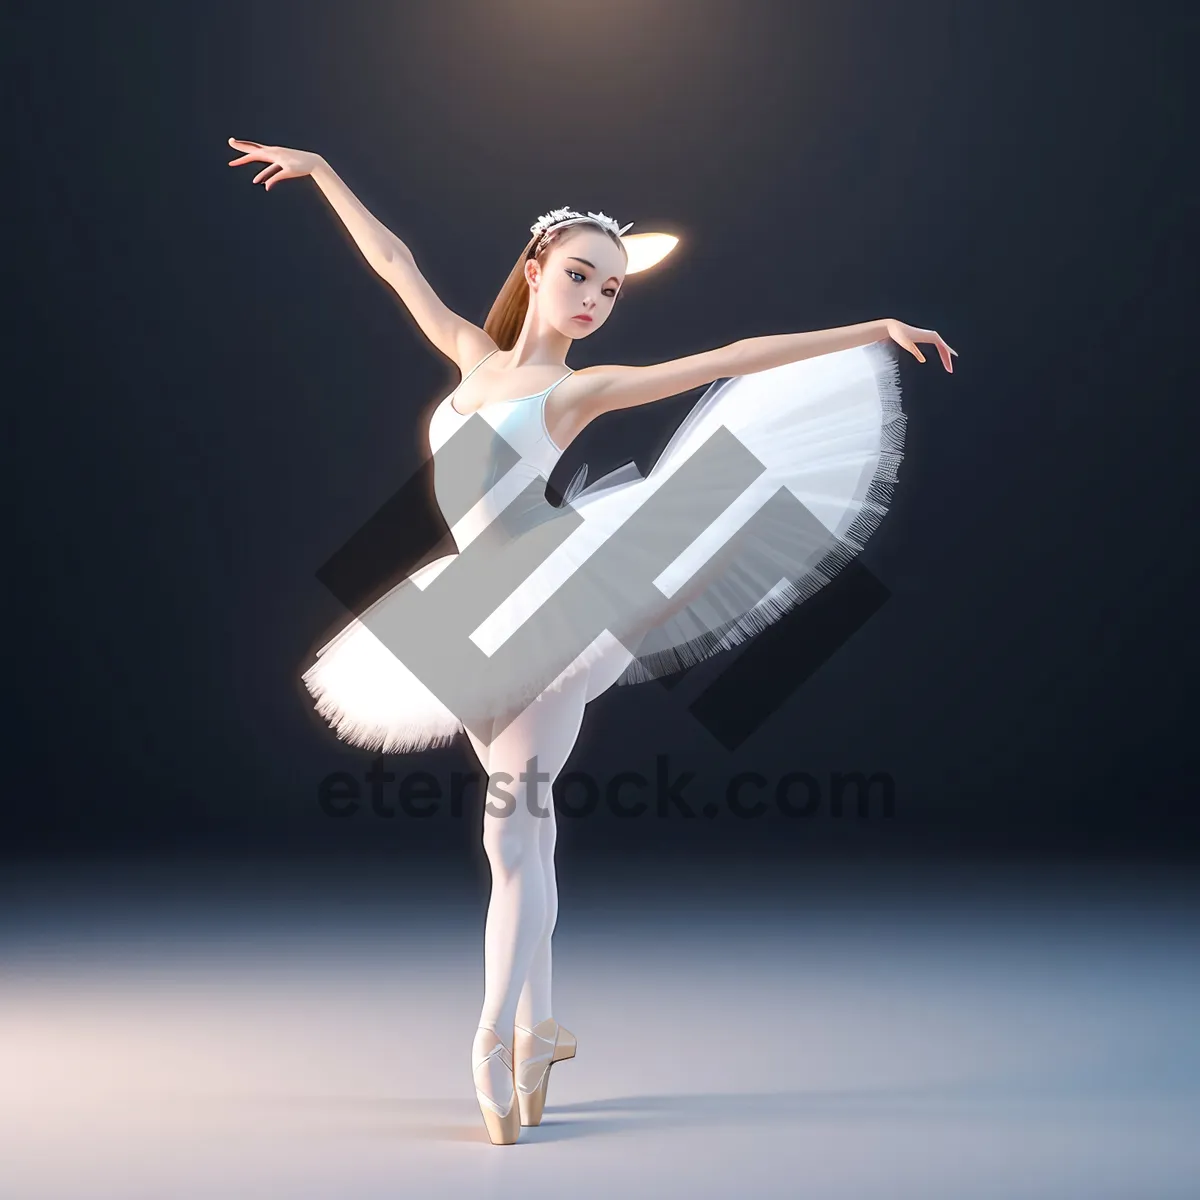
533 271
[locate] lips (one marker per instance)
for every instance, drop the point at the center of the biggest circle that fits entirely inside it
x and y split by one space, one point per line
583 318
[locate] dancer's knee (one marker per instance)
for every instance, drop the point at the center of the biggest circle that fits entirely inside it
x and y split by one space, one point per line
509 843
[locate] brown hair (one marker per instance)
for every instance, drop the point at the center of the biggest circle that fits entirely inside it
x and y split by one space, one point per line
507 314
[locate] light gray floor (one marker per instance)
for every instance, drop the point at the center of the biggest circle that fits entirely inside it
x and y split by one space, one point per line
1004 1037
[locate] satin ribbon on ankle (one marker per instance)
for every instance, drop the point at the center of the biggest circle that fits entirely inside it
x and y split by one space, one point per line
506 1058
534 1060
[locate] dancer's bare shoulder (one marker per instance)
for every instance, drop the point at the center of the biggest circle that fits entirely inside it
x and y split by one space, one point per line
589 393
471 346
596 390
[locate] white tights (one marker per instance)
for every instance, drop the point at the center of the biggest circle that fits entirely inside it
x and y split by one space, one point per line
520 850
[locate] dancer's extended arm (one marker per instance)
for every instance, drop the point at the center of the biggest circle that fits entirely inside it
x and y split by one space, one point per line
456 337
604 388
387 255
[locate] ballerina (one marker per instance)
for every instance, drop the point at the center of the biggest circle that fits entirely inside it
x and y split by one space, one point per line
818 411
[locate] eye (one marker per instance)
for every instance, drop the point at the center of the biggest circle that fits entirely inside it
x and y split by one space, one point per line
607 291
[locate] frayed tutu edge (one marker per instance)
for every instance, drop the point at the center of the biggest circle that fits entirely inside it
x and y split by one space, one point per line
372 700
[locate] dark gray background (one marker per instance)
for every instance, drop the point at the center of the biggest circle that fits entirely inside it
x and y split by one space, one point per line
210 391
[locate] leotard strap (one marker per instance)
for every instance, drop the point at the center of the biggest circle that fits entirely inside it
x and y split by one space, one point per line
542 412
477 366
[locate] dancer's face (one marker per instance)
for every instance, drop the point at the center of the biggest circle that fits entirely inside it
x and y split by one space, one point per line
581 276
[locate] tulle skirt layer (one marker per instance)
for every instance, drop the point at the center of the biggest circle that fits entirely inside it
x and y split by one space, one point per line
771 484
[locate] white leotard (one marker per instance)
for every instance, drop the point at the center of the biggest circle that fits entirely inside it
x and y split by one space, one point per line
522 424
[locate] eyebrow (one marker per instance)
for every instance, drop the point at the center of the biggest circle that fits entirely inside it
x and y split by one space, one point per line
588 264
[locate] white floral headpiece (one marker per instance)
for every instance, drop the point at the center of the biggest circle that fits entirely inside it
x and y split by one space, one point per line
559 217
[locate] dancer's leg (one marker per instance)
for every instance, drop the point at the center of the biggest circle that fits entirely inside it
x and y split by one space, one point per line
537 742
534 1004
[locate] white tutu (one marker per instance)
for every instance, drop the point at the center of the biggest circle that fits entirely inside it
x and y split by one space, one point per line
770 485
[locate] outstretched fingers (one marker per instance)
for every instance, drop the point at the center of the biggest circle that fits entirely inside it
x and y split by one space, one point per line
253 152
945 352
273 172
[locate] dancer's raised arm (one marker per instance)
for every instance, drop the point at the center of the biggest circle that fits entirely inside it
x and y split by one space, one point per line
387 255
613 387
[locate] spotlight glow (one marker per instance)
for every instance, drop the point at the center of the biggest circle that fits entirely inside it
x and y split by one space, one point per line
647 249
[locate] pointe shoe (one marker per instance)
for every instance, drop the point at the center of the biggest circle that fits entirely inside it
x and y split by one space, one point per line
503 1122
536 1050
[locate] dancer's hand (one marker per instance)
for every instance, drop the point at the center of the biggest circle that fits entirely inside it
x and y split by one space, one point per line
909 335
284 163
